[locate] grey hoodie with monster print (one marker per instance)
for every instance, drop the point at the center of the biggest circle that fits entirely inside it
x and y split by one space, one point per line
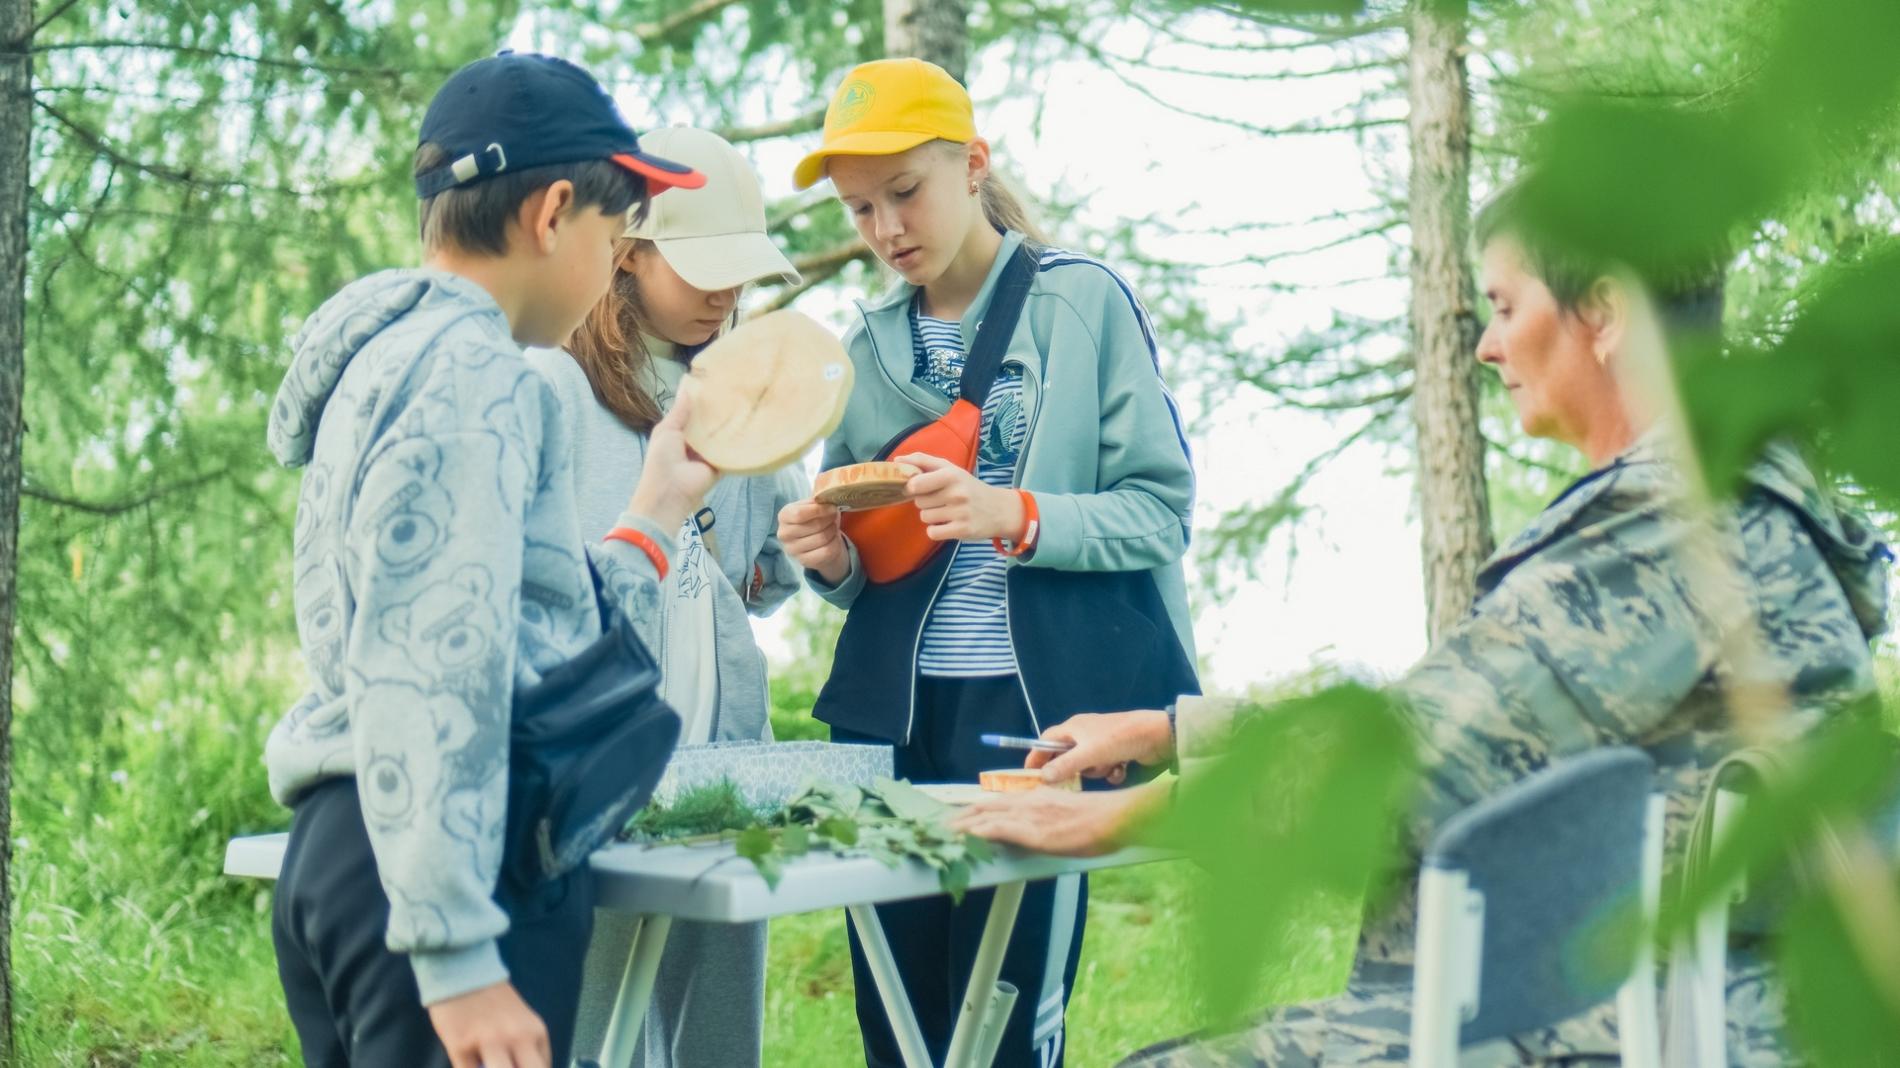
438 566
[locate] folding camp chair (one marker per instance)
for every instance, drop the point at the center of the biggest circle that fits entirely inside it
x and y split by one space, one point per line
1739 909
1535 905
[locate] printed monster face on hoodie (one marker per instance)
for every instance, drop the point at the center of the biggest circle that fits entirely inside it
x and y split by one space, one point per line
448 634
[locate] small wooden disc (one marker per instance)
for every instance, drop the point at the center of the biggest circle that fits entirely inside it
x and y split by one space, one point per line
868 485
763 394
1020 780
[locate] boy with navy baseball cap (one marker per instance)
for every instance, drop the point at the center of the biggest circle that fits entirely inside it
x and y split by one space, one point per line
439 568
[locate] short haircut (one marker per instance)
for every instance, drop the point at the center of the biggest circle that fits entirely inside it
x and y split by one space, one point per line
1689 301
474 218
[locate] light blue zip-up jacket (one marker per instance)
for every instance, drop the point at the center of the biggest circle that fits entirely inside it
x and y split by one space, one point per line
1106 453
439 568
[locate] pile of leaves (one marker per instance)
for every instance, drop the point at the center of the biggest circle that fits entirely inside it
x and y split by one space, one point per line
889 821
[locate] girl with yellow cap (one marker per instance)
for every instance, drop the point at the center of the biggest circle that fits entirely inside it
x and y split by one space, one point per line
1060 587
682 265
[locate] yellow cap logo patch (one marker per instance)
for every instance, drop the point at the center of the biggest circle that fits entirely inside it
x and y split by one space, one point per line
854 99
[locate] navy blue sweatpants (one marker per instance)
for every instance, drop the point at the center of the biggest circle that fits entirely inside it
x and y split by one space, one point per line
935 942
355 1003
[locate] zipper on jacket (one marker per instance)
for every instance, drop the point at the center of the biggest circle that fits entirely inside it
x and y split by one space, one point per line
1035 722
870 338
917 647
1022 461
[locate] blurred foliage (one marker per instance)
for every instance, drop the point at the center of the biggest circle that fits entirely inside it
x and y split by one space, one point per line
1299 810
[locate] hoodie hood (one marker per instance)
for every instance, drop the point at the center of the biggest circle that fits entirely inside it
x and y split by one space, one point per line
346 324
1850 545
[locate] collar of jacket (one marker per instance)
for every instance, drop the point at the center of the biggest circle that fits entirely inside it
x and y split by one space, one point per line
887 322
1649 460
1651 467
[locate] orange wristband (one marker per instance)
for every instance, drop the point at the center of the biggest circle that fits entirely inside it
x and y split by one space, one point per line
1032 525
640 541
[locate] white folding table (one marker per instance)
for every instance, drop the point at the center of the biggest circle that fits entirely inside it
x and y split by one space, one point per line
711 883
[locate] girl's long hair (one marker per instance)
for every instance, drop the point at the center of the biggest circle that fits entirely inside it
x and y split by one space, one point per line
611 349
1004 208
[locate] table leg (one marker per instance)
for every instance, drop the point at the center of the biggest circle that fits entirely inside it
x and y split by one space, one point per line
890 987
636 991
980 995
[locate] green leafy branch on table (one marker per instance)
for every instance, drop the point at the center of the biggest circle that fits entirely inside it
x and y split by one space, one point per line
889 821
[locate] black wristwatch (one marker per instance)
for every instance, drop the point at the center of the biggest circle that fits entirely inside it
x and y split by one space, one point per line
1174 741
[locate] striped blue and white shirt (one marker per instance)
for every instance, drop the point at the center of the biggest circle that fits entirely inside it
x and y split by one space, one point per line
967 635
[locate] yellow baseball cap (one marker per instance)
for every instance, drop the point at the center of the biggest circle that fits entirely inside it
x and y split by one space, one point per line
889 106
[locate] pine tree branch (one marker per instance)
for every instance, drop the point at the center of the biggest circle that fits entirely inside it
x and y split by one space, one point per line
809 203
817 270
1314 39
1163 226
1374 230
1387 63
221 183
199 220
49 17
798 124
649 32
1343 30
854 249
645 33
1107 57
1253 128
1575 81
116 43
121 505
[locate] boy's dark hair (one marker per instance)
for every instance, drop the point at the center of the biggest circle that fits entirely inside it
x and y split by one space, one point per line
1689 300
474 218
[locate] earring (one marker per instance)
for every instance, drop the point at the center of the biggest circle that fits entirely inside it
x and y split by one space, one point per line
973 188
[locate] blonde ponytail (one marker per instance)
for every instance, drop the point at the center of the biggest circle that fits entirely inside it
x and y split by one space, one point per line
1002 201
1003 207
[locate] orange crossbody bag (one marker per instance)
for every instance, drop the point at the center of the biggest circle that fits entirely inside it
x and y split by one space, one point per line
891 542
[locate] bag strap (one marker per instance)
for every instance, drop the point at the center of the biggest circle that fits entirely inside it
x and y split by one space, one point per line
998 325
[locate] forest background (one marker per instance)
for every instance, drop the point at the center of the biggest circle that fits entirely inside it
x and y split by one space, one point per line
1288 184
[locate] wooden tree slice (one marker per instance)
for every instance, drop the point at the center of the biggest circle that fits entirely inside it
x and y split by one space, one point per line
1019 780
858 486
763 394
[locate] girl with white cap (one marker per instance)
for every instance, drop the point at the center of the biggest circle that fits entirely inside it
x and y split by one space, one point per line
681 269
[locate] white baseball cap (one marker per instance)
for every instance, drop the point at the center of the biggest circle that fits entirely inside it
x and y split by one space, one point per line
713 236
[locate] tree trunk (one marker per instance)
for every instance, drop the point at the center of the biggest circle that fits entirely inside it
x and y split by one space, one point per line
1453 509
936 30
16 130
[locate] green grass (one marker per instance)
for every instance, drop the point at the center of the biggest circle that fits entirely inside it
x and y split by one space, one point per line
176 975
131 948
165 975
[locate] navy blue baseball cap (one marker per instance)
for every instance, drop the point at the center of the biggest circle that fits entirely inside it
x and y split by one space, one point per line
513 111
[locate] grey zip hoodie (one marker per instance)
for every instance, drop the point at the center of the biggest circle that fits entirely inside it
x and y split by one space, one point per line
438 567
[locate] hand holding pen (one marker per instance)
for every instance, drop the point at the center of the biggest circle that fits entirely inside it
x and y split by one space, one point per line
1100 745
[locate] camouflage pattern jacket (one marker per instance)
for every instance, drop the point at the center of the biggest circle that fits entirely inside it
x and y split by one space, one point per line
1593 627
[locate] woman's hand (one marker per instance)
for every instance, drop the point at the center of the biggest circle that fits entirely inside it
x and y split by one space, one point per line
1105 744
958 506
814 539
491 1028
1061 821
674 479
